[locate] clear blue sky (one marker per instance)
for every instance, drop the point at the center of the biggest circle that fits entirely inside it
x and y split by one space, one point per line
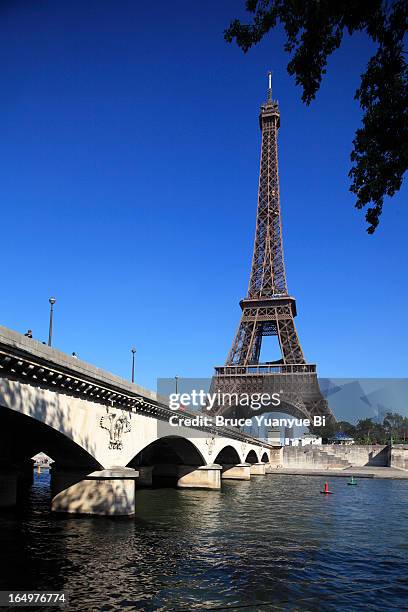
129 166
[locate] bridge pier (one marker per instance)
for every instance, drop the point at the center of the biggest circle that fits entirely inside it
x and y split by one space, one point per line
258 469
8 488
25 472
145 476
108 492
240 471
203 477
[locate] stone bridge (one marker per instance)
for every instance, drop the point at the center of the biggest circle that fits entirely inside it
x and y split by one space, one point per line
106 435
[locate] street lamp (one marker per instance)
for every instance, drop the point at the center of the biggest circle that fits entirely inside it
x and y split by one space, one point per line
176 379
52 301
133 363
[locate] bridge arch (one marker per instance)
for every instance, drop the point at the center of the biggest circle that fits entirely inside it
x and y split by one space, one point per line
265 458
170 449
251 457
228 455
22 436
165 460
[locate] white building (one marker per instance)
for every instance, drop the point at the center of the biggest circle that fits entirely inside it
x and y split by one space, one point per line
305 439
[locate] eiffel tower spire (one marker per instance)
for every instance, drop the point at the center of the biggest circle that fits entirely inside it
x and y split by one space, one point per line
268 277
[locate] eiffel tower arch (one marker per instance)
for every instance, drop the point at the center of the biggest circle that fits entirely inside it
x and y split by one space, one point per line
268 309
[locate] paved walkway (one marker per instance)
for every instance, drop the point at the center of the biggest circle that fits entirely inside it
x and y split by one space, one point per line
365 471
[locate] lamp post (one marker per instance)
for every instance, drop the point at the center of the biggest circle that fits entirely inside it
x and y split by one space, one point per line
133 363
52 301
176 380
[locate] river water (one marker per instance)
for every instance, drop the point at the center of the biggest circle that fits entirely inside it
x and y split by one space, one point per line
273 543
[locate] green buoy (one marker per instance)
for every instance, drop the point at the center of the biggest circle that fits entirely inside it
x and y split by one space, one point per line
352 481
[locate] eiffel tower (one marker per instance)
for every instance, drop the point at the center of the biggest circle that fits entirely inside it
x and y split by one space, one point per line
268 309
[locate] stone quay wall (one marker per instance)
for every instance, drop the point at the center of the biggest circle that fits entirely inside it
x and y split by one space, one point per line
334 456
399 456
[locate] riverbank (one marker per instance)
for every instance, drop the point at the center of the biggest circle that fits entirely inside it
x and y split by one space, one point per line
359 472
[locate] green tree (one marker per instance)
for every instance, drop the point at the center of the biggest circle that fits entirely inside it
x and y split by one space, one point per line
396 425
365 429
405 430
370 432
314 29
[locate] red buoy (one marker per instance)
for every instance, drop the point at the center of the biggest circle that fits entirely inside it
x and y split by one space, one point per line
326 489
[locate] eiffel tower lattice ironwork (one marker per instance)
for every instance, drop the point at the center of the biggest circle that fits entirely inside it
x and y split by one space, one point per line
268 309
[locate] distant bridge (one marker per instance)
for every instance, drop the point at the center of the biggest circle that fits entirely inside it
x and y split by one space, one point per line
104 434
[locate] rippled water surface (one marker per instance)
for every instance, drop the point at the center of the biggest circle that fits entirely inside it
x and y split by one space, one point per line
271 543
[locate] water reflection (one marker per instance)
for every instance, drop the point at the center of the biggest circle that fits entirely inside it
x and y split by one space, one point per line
273 539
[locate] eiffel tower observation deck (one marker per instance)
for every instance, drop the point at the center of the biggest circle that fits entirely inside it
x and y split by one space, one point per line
268 309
